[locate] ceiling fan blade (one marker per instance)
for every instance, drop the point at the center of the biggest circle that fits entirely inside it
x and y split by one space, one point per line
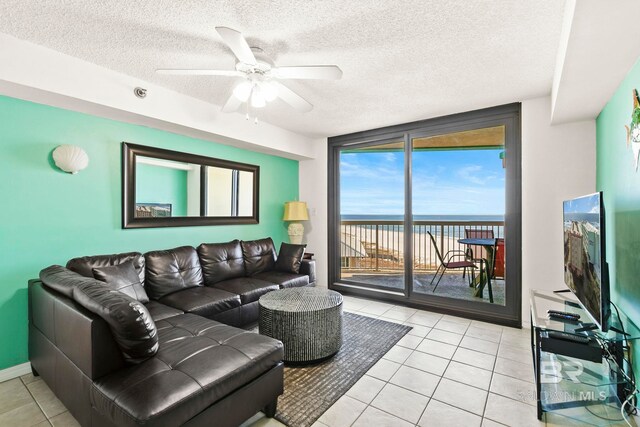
324 72
237 44
292 98
188 72
232 104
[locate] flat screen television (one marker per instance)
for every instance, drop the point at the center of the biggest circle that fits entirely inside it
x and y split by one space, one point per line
585 266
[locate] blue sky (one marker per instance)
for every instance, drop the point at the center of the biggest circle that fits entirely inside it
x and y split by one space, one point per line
589 204
460 182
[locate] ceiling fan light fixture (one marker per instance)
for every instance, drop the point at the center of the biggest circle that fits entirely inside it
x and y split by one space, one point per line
261 76
257 98
243 91
269 91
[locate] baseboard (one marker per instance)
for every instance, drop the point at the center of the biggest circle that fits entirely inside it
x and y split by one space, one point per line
15 372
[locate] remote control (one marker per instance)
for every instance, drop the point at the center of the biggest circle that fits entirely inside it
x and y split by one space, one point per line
554 316
563 315
568 337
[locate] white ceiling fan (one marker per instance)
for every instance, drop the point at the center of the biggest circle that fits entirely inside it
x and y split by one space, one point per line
260 84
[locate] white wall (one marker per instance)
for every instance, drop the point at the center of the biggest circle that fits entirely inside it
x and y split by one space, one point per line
558 163
313 190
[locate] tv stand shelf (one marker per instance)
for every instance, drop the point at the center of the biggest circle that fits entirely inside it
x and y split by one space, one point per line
573 374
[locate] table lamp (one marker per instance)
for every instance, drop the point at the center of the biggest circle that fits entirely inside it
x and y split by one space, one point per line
295 211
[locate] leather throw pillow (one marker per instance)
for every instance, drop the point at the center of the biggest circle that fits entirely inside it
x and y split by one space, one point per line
131 324
123 278
289 258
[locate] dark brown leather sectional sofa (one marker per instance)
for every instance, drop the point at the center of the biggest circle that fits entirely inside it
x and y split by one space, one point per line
202 369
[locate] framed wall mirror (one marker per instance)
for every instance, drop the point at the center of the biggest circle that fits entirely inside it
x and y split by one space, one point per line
164 188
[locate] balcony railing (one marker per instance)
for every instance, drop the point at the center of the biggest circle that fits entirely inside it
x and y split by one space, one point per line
378 246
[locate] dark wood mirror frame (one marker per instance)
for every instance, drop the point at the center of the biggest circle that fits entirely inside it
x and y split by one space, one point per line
129 220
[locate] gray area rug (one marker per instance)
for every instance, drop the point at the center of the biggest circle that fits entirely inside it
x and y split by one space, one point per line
451 285
310 390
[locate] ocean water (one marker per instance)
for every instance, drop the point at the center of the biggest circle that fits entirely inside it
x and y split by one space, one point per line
456 231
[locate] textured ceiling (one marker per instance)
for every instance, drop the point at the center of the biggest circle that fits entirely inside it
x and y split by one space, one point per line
402 60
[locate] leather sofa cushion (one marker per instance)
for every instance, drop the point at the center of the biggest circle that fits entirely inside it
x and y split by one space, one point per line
62 279
160 311
172 270
199 362
221 261
202 300
131 324
259 255
289 258
250 289
284 280
122 278
85 265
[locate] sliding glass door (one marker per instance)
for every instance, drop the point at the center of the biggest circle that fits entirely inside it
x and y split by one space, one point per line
372 238
405 202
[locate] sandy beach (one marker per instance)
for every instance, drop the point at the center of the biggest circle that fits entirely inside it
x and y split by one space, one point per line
359 241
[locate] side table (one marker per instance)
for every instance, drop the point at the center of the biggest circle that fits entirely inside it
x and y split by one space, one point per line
308 321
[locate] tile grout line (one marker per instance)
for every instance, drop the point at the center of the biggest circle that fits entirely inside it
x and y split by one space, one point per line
47 419
493 371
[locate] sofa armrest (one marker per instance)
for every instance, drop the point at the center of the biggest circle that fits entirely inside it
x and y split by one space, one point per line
57 324
308 267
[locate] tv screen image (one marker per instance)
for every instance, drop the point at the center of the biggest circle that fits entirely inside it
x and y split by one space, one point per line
584 263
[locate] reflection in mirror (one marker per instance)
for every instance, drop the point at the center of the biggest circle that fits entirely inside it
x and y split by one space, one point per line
166 188
229 192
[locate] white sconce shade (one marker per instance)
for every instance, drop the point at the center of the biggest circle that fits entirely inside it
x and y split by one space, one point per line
70 158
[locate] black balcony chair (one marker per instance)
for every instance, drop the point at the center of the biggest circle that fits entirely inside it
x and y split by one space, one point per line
446 263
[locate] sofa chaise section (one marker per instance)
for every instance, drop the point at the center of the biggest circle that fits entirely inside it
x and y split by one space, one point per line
201 370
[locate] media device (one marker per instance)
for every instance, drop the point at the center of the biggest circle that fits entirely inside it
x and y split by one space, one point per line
585 267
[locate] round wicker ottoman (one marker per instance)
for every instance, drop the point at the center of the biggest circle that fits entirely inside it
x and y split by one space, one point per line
308 321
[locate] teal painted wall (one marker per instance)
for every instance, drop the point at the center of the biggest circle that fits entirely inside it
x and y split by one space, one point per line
156 184
617 178
48 217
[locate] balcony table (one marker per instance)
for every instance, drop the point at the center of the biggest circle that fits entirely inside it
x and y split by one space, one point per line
484 279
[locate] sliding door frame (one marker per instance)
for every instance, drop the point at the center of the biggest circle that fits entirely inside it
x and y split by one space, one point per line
401 137
508 115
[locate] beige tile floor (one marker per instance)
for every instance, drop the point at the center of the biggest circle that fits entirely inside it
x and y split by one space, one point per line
446 371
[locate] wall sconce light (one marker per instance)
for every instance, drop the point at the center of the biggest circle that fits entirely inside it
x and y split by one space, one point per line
70 158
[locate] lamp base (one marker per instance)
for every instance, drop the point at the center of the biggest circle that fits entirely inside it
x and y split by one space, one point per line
296 231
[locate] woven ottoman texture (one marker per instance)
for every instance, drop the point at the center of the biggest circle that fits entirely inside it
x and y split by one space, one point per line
308 321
